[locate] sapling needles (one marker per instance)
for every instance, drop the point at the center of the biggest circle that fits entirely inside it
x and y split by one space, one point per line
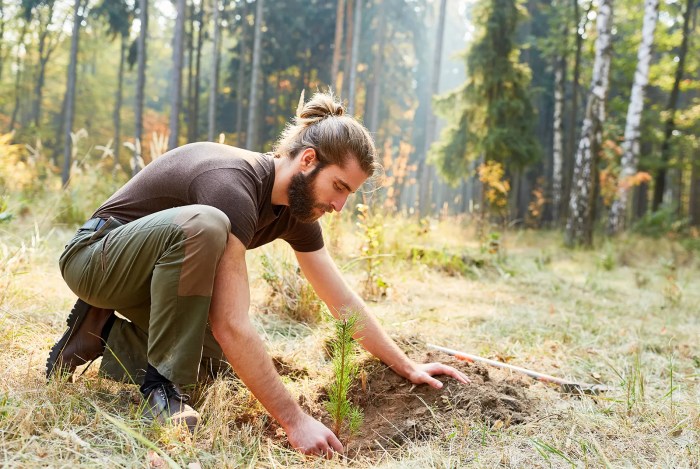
345 368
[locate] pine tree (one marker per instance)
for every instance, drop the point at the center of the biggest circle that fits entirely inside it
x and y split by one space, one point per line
490 117
344 356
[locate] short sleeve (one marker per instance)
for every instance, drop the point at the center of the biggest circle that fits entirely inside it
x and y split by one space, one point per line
233 195
304 237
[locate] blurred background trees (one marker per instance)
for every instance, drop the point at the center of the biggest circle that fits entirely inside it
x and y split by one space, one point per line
449 89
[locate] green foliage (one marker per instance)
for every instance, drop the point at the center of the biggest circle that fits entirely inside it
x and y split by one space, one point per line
660 223
371 227
345 369
291 292
445 261
490 116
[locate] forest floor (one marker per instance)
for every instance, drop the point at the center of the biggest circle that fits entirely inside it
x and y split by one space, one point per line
625 314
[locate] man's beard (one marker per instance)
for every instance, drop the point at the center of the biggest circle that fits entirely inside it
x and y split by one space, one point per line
302 199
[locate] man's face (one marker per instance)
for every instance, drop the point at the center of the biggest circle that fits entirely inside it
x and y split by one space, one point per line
323 189
302 198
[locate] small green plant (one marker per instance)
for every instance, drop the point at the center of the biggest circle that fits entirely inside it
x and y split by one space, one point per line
607 259
345 369
372 234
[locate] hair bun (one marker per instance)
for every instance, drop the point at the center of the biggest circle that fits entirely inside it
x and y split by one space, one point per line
320 106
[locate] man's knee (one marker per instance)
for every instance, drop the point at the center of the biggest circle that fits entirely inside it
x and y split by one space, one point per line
204 226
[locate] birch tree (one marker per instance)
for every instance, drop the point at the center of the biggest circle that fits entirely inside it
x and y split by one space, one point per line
558 121
579 226
176 84
630 144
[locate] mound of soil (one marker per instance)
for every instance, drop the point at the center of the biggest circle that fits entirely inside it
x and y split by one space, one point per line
397 412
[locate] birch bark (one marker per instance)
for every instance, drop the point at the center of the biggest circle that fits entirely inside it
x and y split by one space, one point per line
630 145
579 226
558 123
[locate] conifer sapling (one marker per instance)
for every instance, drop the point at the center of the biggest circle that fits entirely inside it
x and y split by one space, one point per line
345 368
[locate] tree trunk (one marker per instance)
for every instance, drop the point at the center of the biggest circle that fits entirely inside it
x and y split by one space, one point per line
630 145
69 99
694 209
376 93
116 116
176 84
357 30
140 86
426 170
240 82
45 51
660 179
579 227
18 77
255 78
214 77
337 42
573 115
558 123
198 74
189 98
349 28
558 134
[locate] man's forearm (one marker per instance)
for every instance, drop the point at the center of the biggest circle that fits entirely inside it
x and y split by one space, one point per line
246 353
240 341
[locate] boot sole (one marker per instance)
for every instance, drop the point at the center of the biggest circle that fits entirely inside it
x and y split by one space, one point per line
75 319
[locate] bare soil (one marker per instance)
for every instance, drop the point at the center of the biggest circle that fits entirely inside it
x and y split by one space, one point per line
397 412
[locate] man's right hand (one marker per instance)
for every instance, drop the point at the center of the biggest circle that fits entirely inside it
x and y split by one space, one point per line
309 436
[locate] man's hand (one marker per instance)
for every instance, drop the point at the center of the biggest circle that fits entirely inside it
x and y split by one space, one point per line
423 373
309 436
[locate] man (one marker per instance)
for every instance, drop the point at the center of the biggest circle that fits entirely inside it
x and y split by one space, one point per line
167 251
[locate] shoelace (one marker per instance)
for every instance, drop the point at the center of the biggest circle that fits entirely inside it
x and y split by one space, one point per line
172 392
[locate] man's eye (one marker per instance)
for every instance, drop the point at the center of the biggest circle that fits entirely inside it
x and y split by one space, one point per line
337 187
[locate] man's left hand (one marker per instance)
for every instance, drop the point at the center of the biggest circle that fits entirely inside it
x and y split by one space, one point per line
423 374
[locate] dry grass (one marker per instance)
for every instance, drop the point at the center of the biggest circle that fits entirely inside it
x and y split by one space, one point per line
625 314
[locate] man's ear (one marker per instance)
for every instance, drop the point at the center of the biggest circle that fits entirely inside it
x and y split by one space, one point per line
308 159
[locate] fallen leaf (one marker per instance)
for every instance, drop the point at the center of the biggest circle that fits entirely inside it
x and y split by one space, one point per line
498 424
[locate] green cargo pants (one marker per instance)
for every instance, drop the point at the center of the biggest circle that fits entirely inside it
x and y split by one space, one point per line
158 272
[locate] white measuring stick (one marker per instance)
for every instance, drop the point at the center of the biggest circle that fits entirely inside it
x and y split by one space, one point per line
475 358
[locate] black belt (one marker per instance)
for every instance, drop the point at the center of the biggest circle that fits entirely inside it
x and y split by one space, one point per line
93 224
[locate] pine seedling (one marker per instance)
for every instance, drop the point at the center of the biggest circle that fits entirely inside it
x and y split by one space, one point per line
345 368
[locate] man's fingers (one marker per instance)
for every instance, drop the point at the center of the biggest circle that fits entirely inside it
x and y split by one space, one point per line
433 369
437 384
335 444
458 375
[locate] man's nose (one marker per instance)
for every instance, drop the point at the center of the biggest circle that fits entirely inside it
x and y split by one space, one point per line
338 204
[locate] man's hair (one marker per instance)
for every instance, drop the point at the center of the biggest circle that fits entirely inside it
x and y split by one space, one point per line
321 124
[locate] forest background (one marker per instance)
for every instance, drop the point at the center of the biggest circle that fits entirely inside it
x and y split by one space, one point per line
506 129
538 121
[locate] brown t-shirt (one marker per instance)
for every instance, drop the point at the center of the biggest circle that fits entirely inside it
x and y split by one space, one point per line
236 181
